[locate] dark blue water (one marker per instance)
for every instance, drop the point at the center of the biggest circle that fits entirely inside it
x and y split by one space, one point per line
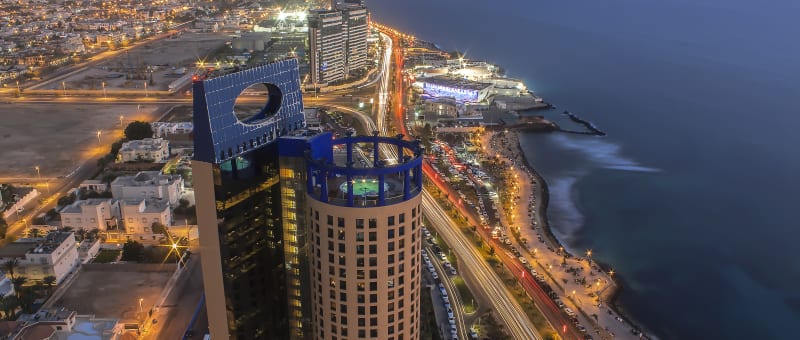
691 195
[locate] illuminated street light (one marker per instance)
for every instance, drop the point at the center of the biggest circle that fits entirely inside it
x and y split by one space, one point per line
120 120
64 85
98 135
145 89
104 90
38 175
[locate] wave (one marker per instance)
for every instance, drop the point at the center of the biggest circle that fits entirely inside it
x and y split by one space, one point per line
565 213
600 152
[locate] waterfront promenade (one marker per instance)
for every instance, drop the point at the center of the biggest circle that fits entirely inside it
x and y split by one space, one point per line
577 280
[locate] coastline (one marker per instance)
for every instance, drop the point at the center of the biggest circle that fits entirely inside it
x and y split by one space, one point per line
610 295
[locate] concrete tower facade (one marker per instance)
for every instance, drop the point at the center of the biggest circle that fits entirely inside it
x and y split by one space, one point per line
364 225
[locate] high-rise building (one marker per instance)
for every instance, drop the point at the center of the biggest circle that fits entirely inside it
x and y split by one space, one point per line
302 236
364 227
326 40
337 42
238 196
354 19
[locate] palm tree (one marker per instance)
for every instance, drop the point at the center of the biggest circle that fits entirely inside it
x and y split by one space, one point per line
80 234
9 306
18 282
49 281
9 267
94 233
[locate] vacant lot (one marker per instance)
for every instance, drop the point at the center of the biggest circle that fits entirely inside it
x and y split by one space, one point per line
165 60
59 137
114 290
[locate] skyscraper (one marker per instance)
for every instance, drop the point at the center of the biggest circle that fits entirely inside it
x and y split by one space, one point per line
337 42
326 40
364 226
236 177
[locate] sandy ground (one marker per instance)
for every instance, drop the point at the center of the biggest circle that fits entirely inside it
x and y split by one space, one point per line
114 294
163 57
56 137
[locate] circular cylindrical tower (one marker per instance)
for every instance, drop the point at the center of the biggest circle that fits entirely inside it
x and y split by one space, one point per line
365 221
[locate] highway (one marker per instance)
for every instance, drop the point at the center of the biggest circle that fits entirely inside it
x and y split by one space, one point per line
503 303
453 295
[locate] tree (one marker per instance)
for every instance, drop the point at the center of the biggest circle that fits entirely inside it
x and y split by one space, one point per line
159 228
80 234
18 282
9 306
49 281
9 266
66 200
138 130
133 251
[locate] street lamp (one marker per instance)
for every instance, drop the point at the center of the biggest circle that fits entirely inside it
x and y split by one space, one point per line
120 120
38 175
64 85
145 89
104 90
98 135
19 91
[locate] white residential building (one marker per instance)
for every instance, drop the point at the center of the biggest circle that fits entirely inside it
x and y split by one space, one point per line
354 19
99 213
326 46
337 41
148 149
148 185
52 255
138 215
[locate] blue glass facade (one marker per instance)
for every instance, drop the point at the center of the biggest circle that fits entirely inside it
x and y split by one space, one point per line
220 136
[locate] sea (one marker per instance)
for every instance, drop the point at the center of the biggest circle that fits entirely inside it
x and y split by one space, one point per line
693 195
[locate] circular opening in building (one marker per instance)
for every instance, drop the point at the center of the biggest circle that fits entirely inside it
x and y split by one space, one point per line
257 103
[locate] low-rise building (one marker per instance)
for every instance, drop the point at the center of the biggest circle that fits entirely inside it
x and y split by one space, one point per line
145 150
88 249
138 215
52 255
57 323
148 185
88 214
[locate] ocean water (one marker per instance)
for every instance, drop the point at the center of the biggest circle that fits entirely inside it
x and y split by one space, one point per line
691 196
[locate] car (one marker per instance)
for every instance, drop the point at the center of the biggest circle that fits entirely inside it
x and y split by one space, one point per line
435 276
570 312
446 264
189 334
453 271
443 256
581 329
